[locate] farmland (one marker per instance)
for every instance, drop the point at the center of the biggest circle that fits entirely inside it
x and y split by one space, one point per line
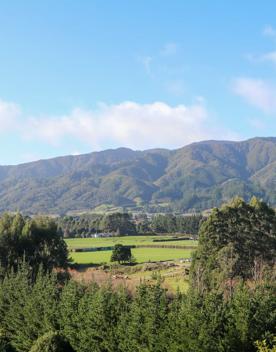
141 255
126 240
172 276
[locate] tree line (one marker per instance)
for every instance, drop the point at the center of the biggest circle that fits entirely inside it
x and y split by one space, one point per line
121 224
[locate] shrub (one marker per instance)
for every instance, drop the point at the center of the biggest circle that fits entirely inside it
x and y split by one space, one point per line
51 342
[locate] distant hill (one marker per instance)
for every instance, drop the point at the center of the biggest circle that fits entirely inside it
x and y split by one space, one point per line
198 176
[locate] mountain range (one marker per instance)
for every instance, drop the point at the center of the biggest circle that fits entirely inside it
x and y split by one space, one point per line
196 177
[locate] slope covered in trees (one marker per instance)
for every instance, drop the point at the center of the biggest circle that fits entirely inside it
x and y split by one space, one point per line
198 176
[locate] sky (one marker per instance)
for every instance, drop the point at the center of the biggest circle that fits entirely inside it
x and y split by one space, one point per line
87 75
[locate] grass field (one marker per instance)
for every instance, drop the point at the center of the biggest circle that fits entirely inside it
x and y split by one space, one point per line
172 278
126 240
141 255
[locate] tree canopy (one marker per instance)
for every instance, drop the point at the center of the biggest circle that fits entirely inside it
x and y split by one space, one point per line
42 314
121 253
236 242
37 241
51 342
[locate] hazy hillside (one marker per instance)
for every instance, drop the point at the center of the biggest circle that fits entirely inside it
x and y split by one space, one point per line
198 176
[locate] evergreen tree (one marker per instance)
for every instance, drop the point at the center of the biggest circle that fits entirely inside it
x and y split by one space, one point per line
98 315
28 310
51 342
70 297
143 327
251 316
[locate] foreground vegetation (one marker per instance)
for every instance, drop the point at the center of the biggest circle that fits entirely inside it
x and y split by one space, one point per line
230 305
92 318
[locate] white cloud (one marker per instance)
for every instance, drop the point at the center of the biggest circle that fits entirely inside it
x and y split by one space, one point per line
257 93
129 124
269 31
139 126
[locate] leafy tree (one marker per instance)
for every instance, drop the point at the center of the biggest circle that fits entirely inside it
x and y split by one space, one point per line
38 314
120 223
99 311
237 242
263 347
121 254
169 223
4 343
36 240
28 310
51 342
199 323
142 328
251 316
44 244
68 320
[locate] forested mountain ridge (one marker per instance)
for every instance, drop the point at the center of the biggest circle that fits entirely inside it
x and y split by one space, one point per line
198 176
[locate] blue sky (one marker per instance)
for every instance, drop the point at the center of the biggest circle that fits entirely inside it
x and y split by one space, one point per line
80 76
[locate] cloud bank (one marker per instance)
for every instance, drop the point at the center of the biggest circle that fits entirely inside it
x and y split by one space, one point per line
127 124
138 126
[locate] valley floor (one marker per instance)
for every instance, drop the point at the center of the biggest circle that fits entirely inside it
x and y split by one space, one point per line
169 265
172 275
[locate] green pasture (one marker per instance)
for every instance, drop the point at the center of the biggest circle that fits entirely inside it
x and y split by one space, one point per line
141 255
125 240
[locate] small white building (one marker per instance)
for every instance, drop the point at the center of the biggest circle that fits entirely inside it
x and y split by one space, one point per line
102 235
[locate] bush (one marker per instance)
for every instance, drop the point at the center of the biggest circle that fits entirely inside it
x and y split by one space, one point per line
51 342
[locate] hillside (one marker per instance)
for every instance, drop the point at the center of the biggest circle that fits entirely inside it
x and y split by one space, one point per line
197 176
